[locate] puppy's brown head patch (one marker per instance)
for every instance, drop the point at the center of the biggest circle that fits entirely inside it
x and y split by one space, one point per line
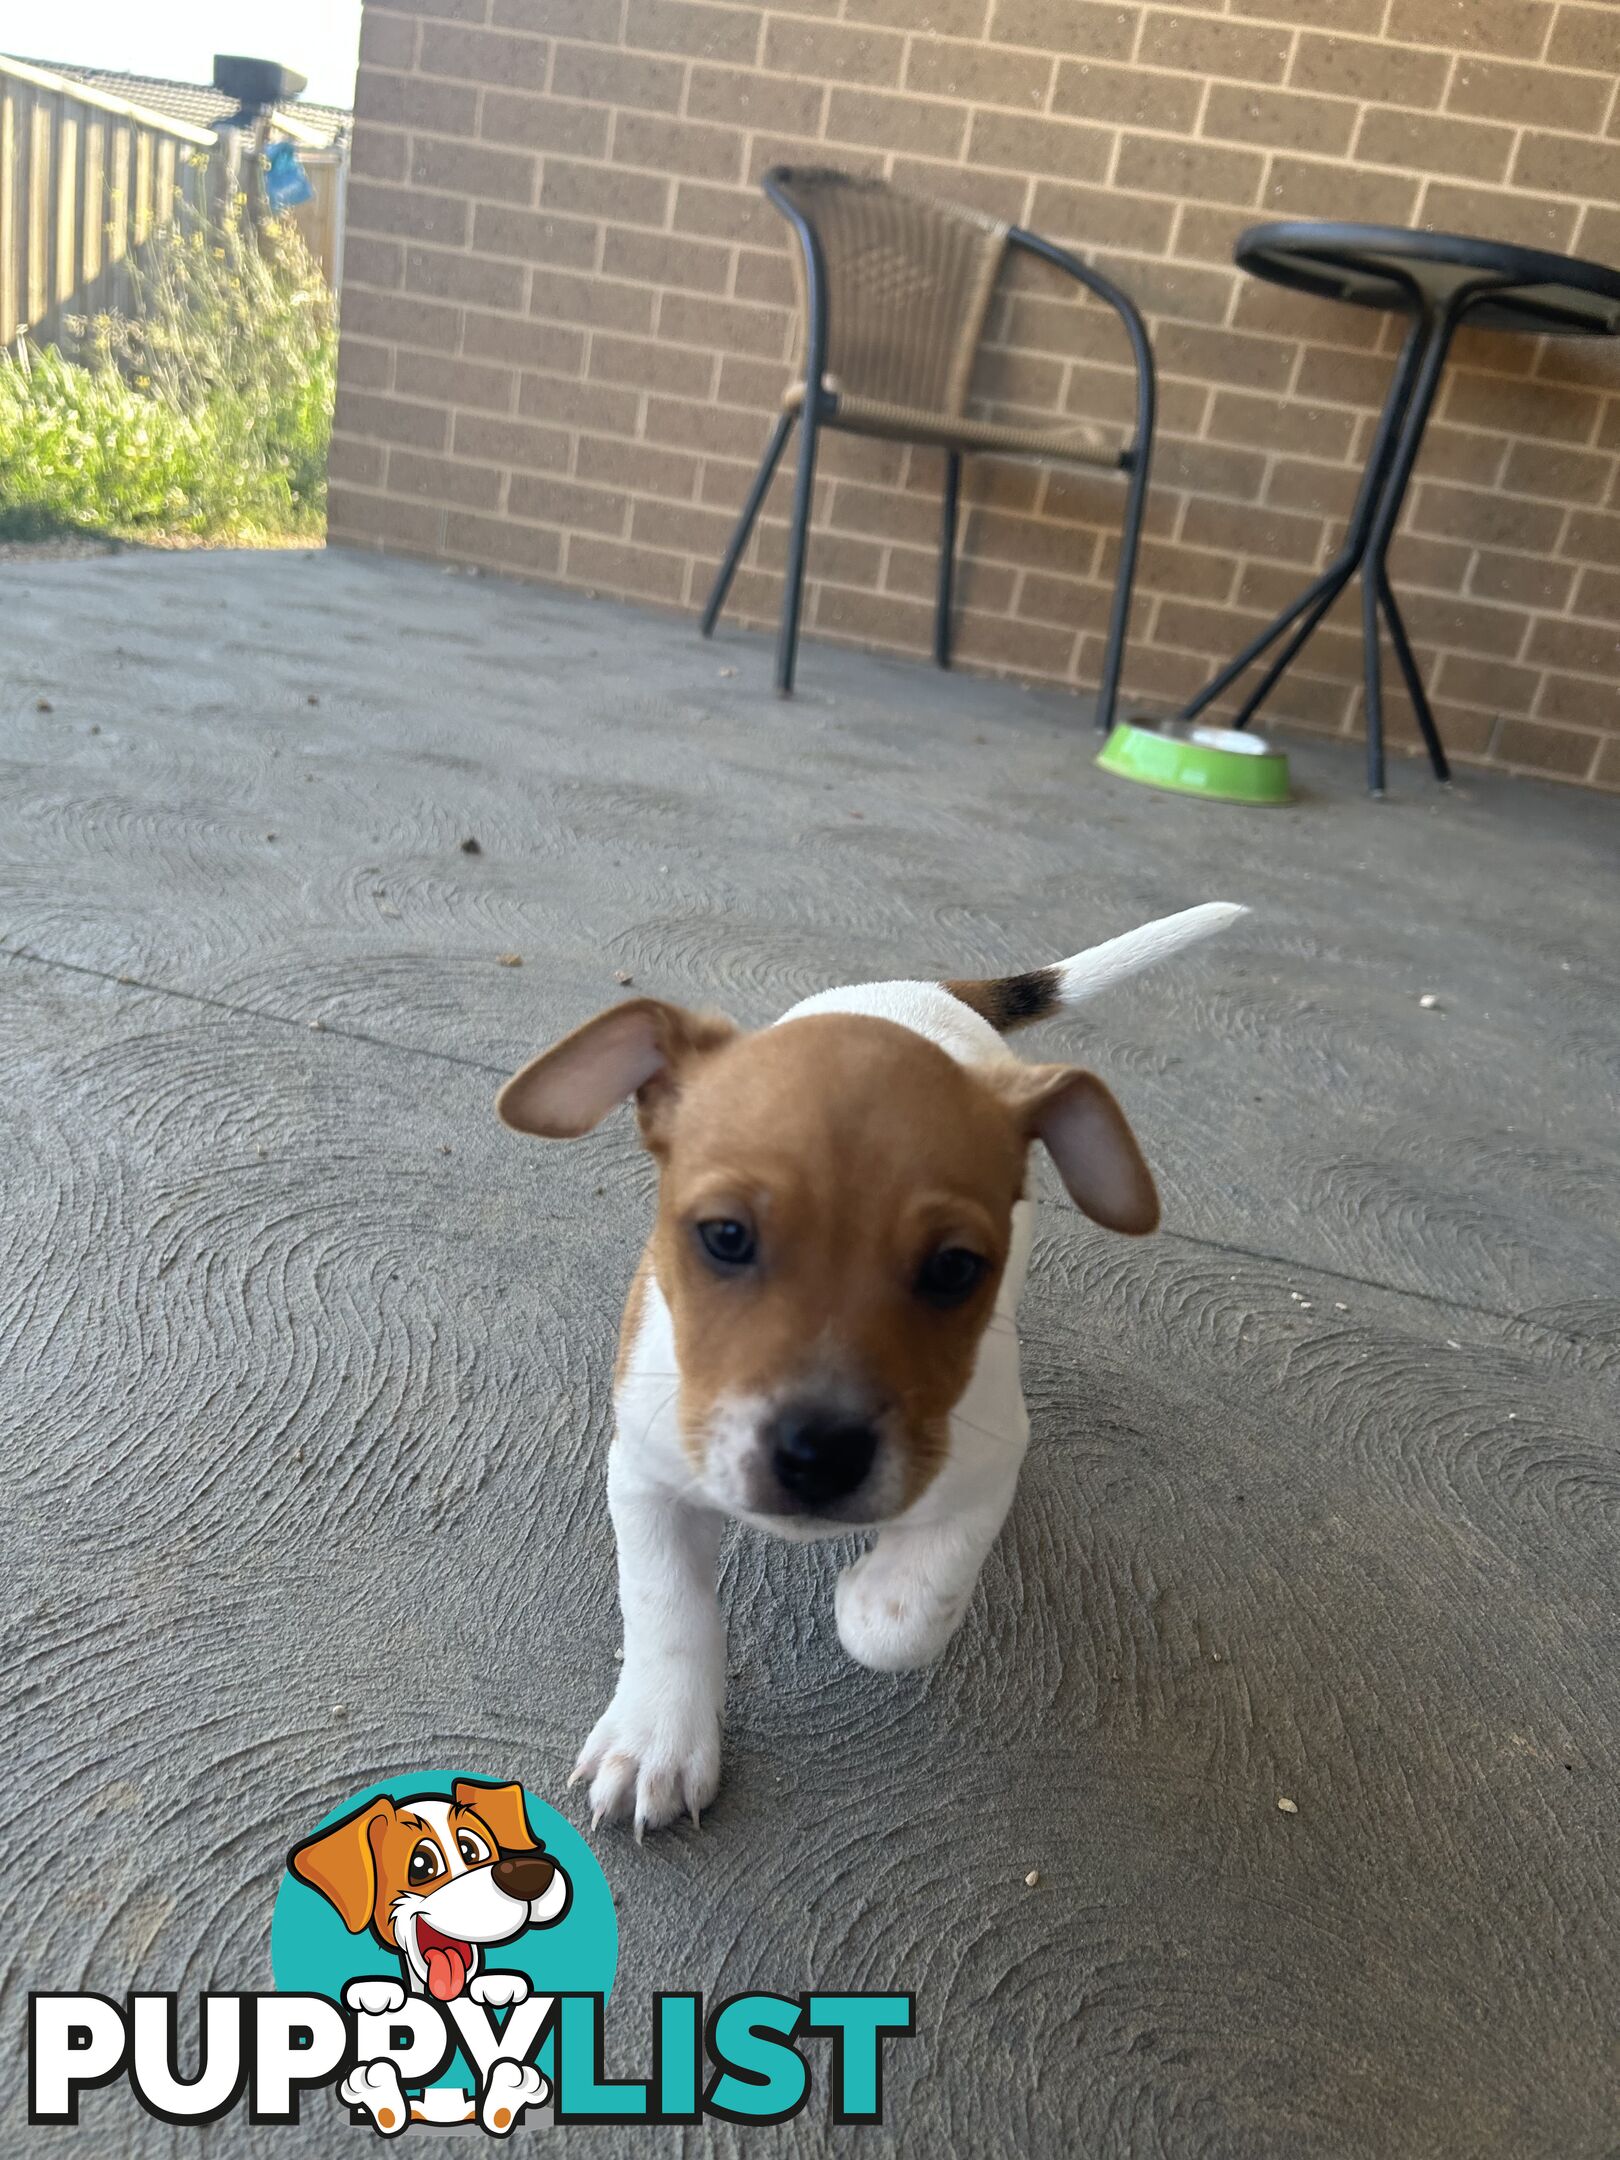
835 1214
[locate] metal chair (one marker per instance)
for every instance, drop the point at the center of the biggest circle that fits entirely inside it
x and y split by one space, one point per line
894 293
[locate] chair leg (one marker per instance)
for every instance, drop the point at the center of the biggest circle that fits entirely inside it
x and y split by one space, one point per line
1414 679
787 644
745 524
1125 578
947 558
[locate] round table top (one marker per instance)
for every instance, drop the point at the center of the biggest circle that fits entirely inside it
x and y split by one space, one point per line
1392 266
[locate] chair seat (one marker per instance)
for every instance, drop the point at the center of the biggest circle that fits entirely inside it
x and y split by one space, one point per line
1075 442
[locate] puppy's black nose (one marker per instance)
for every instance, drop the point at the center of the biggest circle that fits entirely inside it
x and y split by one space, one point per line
524 1876
819 1455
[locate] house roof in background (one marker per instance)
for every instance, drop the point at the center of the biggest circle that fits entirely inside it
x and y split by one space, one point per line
200 105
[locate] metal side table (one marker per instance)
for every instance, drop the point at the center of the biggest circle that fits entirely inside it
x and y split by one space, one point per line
1438 280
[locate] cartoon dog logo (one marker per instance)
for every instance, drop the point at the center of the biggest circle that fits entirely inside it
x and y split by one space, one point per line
438 1879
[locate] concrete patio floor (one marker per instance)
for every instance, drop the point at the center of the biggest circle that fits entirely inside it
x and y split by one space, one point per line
307 1365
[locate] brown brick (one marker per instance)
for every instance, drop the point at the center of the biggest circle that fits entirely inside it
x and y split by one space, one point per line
1206 468
655 258
567 296
1436 565
408 213
453 274
1517 408
1565 165
547 501
1526 95
367 366
997 194
457 11
650 366
1530 581
1593 537
455 382
415 527
637 468
600 76
1025 649
1516 28
520 341
1486 519
511 444
1100 217
1327 491
1283 535
765 278
832 52
1427 143
1317 431
1579 698
545 123
913 571
1467 624
1543 748
1365 15
1534 220
1023 144
979 75
1202 45
1160 166
1599 594
743 97
604 191
357 464
1309 187
413 101
683 147
1223 356
1283 119
386 41
484 56
1097 28
377 263
1493 684
1583 37
1343 378
390 420
681 26
501 543
1606 772
401 321
612 567
685 528
950 18
923 126
534 236
1376 73
379 153
565 403
443 479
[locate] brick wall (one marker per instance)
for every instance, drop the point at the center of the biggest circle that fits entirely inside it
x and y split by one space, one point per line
567 321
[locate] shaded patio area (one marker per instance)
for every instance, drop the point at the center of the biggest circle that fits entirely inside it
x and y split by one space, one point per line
308 1362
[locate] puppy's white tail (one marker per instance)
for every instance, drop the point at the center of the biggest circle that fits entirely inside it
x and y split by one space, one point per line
1012 1001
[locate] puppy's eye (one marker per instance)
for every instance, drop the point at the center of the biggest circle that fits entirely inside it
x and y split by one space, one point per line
950 1275
729 1242
472 1848
424 1862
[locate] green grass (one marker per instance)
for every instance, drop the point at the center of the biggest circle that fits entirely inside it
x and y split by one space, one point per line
207 412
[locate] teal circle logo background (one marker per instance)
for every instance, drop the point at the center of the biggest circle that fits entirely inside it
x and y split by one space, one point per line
312 1952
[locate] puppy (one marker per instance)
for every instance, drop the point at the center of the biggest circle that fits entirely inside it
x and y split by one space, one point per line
437 1879
820 1336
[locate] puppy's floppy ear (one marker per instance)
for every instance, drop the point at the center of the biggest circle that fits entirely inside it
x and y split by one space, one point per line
1085 1133
501 1808
639 1048
341 1864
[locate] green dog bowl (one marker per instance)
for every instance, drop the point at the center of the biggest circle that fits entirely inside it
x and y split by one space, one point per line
1190 759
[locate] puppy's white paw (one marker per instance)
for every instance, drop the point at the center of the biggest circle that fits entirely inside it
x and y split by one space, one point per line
511 2087
377 1998
375 2087
499 1990
893 1620
654 1753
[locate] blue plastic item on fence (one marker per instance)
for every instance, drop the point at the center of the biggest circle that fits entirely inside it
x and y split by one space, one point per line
286 184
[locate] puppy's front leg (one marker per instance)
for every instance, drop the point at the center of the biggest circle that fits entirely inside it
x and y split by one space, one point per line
655 1750
901 1603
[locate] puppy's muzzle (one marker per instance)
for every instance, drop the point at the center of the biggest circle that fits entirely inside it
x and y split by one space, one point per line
818 1456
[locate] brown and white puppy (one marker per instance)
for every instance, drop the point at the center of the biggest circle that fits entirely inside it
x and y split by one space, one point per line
820 1336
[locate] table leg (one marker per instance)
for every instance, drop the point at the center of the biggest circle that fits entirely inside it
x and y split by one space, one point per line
1438 328
1314 602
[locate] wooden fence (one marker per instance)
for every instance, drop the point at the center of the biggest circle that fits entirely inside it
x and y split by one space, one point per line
85 177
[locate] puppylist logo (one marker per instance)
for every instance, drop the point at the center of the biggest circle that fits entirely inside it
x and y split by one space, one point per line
443 1948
